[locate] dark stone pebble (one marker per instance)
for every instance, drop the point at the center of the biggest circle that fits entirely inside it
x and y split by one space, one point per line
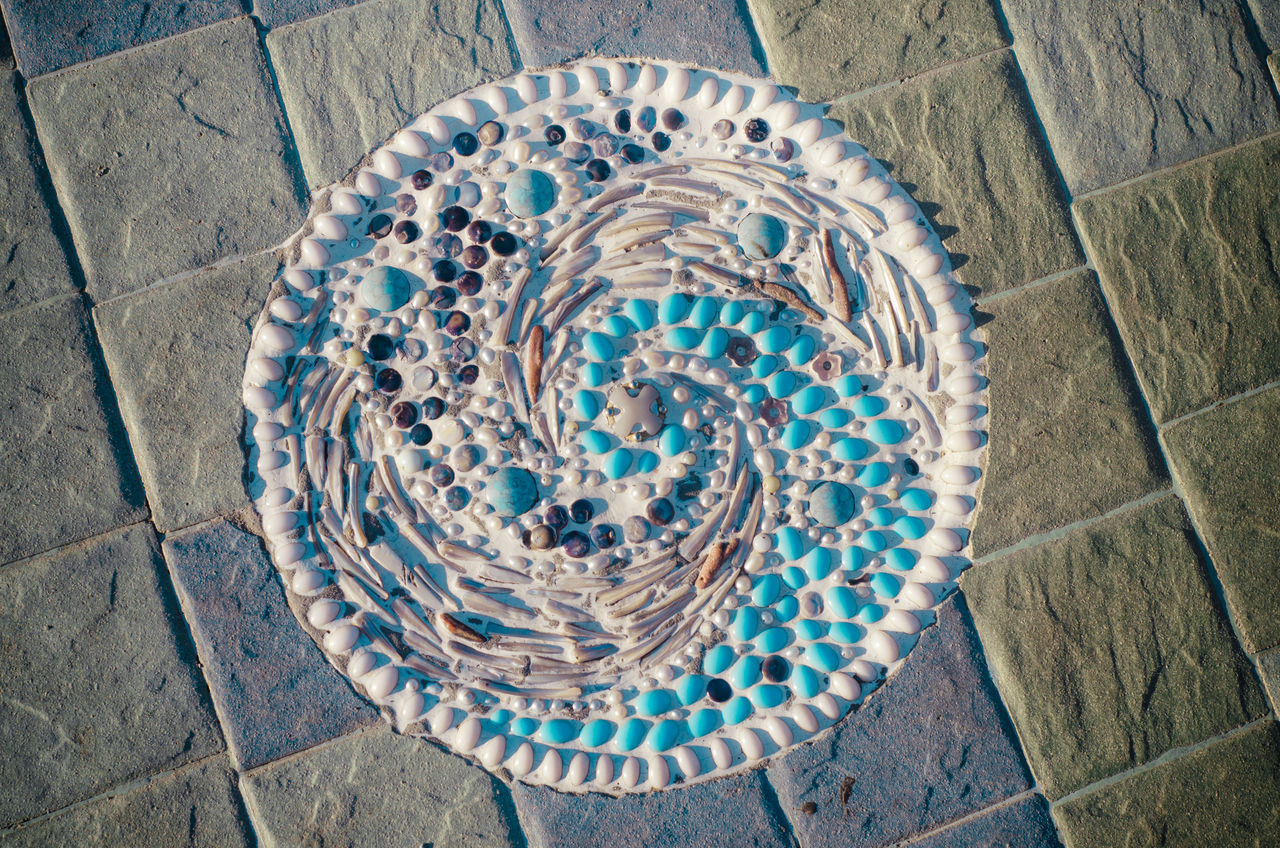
466 144
474 256
647 119
380 346
454 218
420 434
462 350
622 120
442 297
479 231
468 374
633 153
577 152
469 282
539 538
672 119
404 414
457 323
661 141
660 511
576 544
910 466
444 271
719 690
756 130
776 669
504 244
598 170
421 179
581 511
554 134
456 497
380 226
441 475
604 536
406 231
432 408
388 380
556 516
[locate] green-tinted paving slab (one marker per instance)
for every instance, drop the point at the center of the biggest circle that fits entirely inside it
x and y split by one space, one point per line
1226 795
1189 262
830 49
351 78
379 788
96 687
1269 671
1068 438
1225 460
169 157
963 141
195 807
1108 647
176 355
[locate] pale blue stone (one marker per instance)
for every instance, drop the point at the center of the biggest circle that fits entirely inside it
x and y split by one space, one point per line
587 404
788 542
873 474
641 314
704 312
753 393
776 339
916 500
618 463
846 632
715 343
850 449
674 307
617 326
823 657
782 384
753 322
558 731
768 696
594 375
672 439
871 613
766 591
705 721
746 673
842 601
593 441
851 558
810 399
718 659
598 732
786 609
731 313
511 491
869 406
683 338
909 527
802 350
524 726
886 431
831 504
655 702
598 346
805 681
765 365
848 386
794 576
834 418
773 640
633 733
738 710
881 516
529 193
900 559
819 563
665 735
810 629
646 461
691 688
761 236
885 585
874 541
746 623
385 288
797 433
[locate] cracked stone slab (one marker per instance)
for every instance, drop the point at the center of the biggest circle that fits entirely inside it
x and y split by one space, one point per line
872 782
964 142
1109 648
410 794
351 78
1057 379
1225 459
1127 88
1188 261
65 469
723 813
133 141
274 691
278 13
97 685
33 266
714 34
1269 670
1222 795
1022 824
830 49
184 410
196 807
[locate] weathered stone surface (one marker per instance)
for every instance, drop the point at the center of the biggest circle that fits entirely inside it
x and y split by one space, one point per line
729 813
714 34
97 686
65 469
1124 89
194 807
1189 262
1108 647
1269 671
353 77
168 158
1266 14
932 745
32 263
1022 824
830 49
1068 437
1227 464
1223 795
275 692
277 13
52 34
410 794
964 142
184 410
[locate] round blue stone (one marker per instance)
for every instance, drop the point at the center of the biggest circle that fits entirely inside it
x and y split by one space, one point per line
831 504
529 193
511 491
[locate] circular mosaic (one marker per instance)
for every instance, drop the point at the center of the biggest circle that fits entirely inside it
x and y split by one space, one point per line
616 426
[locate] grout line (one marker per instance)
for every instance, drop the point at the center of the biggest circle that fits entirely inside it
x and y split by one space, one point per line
518 59
981 300
85 540
182 276
773 804
1217 404
922 74
965 819
301 185
755 34
372 727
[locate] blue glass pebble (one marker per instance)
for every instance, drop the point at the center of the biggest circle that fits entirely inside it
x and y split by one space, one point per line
823 657
806 681
782 384
753 322
802 349
761 236
654 702
524 726
501 717
794 576
529 193
835 418
881 516
842 601
598 732
900 559
886 431
831 504
850 449
587 404
704 312
765 592
846 632
737 710
705 721
732 312
674 307
617 326
776 339
691 688
810 628
385 288
869 406
715 343
672 439
753 393
909 527
786 609
598 346
683 338
871 613
633 733
641 314
810 399
763 366
773 640
718 659
874 541
851 558
746 623
593 441
797 433
789 543
646 461
885 585
665 734
593 374
819 562
848 385
874 474
768 696
618 463
746 673
557 731
511 491
916 500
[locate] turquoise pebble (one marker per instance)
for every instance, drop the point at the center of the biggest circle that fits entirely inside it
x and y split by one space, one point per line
831 504
874 474
885 585
731 313
746 624
802 349
909 527
593 441
655 702
511 491
753 322
529 193
672 439
842 601
765 365
500 717
641 314
810 629
768 696
823 657
819 562
874 541
765 592
848 385
851 558
753 393
683 338
598 346
691 688
761 236
900 559
788 542
886 431
869 406
385 288
916 500
794 576
674 307
557 731
776 339
715 343
797 433
786 609
782 383
524 726
834 418
617 326
810 399
738 710
598 732
881 516
618 463
646 461
593 374
773 640
705 721
718 659
746 673
846 632
850 449
632 734
871 613
665 734
704 312
587 404
806 681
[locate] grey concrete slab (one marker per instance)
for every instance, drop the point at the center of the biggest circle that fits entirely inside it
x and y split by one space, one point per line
176 354
169 157
1124 88
1022 824
351 78
65 468
97 686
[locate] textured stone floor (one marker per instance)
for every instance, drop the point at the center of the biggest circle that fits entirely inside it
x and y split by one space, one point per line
1106 177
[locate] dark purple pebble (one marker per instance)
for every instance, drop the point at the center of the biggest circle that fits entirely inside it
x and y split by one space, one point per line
556 516
474 256
469 282
603 536
598 170
406 231
388 380
672 119
776 669
404 414
441 475
479 231
719 690
432 408
468 374
454 218
380 226
421 179
442 297
504 244
444 271
661 141
380 346
554 134
466 143
660 511
420 434
756 130
576 544
457 323
581 511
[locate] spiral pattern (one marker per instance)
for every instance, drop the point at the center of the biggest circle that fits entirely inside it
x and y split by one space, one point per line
617 426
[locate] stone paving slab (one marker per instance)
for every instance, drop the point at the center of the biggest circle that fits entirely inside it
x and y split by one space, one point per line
275 693
176 354
33 265
932 745
712 33
351 78
65 469
52 34
830 49
1124 88
1108 646
195 807
1223 795
1269 670
964 142
97 685
278 13
379 788
169 157
1266 16
1022 824
1188 260
1226 462
732 812
1068 437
